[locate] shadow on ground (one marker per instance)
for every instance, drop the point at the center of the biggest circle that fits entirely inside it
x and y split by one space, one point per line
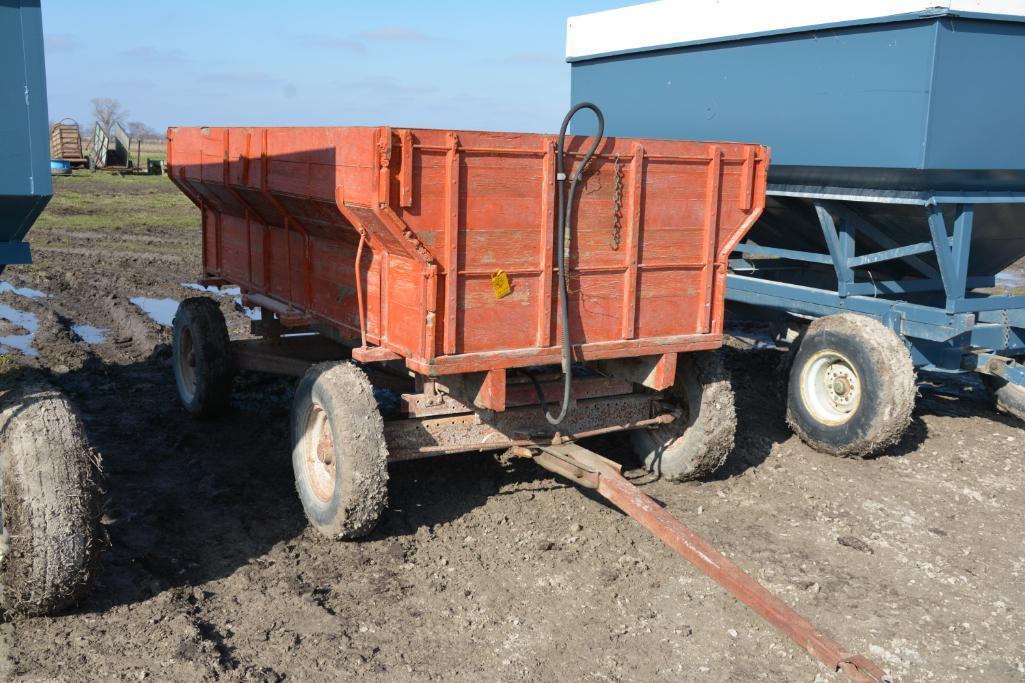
191 501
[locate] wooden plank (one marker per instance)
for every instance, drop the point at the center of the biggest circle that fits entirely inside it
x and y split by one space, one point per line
384 165
747 180
485 390
430 326
451 243
249 223
492 391
655 372
519 391
374 354
521 394
488 360
633 229
713 185
544 288
382 299
406 170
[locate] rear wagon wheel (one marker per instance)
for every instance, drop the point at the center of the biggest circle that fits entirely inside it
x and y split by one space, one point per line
203 371
339 455
1008 398
851 387
697 444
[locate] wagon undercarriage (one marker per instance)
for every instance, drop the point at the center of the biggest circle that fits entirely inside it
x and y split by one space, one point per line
485 411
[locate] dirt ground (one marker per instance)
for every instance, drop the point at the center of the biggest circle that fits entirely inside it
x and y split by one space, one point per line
485 567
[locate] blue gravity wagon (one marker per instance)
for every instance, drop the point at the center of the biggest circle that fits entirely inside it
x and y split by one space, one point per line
897 184
49 501
25 186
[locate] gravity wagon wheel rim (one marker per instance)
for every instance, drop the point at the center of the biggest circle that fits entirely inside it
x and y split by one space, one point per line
319 455
831 387
667 435
186 360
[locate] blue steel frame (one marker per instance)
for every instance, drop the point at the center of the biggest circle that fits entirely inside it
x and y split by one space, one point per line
970 332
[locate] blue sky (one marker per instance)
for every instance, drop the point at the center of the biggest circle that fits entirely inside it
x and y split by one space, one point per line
442 64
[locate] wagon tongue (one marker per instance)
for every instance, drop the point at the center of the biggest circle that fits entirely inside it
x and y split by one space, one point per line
591 470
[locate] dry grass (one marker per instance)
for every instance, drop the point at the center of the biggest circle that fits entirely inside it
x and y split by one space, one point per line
101 201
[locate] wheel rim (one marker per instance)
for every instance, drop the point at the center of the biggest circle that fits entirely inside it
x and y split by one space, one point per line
830 387
319 455
185 360
665 436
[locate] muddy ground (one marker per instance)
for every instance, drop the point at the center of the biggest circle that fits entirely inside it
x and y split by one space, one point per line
485 567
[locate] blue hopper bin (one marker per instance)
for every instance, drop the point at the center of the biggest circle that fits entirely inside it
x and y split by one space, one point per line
897 185
25 185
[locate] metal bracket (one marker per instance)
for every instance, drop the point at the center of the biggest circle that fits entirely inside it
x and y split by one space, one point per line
576 463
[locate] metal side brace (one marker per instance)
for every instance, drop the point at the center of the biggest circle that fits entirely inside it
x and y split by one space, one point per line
592 471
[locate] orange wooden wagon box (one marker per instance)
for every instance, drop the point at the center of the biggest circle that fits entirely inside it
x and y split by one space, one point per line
430 257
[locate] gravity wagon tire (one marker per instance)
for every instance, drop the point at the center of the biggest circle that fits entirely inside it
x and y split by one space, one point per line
201 357
339 454
851 388
1008 398
697 444
49 502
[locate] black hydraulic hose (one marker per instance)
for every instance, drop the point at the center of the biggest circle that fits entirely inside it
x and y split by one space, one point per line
565 222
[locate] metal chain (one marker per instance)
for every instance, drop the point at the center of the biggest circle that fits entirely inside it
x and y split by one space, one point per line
617 206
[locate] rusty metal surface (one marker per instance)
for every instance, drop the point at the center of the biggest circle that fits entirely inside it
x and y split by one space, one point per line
483 430
519 392
591 470
574 462
428 451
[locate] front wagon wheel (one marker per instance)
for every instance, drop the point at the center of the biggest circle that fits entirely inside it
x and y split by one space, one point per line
201 357
339 455
49 502
852 386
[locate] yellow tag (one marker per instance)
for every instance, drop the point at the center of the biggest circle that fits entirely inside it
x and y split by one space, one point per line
500 283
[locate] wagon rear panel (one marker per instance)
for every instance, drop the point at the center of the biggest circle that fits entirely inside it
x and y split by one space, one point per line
443 211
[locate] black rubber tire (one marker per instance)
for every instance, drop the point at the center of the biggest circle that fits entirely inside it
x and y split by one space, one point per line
200 341
340 394
50 502
1007 398
698 443
886 377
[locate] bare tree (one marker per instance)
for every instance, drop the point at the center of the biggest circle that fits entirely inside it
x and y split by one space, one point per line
107 110
137 130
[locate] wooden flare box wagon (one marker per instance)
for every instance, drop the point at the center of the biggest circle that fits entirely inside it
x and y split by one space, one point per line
430 257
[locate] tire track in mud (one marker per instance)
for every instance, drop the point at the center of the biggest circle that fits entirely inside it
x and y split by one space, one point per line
120 256
188 241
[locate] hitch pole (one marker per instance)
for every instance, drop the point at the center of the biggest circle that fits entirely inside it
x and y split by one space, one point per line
594 471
